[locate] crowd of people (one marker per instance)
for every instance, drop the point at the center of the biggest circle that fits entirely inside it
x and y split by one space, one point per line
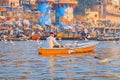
26 28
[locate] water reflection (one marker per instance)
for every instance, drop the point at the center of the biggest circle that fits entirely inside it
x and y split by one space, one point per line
51 64
108 53
22 62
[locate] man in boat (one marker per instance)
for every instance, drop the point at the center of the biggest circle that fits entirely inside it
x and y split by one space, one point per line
51 41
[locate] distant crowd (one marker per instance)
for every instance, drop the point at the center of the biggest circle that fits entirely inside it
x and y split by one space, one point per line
25 28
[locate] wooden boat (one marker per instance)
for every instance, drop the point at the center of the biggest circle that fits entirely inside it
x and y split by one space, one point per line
109 38
80 48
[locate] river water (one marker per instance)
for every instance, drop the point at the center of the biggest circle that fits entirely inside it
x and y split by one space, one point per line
19 60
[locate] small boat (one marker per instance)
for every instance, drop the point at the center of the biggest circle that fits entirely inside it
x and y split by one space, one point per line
109 38
79 48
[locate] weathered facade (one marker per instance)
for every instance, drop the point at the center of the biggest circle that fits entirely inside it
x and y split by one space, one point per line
113 10
9 3
4 2
64 12
108 9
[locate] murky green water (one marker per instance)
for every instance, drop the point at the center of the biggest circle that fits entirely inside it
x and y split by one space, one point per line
19 60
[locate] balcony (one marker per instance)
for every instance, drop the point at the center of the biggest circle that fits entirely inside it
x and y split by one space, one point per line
67 1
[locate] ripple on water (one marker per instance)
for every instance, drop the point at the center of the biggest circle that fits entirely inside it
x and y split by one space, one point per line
22 62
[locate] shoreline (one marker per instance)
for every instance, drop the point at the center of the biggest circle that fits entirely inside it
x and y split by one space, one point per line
65 38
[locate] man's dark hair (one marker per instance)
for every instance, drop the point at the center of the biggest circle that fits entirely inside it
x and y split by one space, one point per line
51 33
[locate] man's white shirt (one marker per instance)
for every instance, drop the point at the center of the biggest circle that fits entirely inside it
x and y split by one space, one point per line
51 41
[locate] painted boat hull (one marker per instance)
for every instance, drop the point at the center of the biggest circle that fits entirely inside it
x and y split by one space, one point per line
83 50
88 47
52 51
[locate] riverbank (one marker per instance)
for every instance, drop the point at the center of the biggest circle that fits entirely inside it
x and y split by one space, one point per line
104 38
25 29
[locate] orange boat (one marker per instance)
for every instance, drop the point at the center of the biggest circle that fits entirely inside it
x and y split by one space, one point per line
80 48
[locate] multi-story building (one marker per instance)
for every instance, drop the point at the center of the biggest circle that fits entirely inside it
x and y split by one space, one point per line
113 10
6 5
64 11
13 3
3 2
108 9
113 7
9 2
